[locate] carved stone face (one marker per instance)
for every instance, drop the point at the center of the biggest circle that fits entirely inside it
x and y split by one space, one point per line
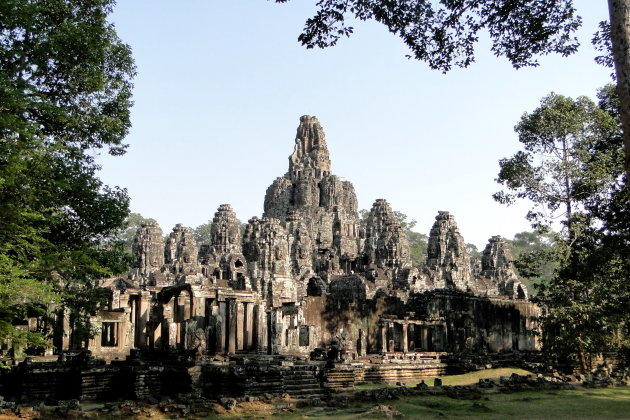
154 255
279 251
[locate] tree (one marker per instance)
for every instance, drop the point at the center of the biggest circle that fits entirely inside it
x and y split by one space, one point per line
567 160
572 169
444 33
65 93
203 233
473 251
534 257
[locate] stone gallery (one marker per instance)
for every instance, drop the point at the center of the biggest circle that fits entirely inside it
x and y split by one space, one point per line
308 287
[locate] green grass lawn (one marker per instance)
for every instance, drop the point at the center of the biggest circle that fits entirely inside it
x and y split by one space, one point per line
473 377
579 403
465 379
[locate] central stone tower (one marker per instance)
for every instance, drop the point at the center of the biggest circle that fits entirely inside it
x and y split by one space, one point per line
309 193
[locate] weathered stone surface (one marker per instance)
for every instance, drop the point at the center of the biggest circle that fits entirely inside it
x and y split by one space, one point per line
148 249
447 256
386 243
226 231
180 252
310 150
327 205
496 264
305 275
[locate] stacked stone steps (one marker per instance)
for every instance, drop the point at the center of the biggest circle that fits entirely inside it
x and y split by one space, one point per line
270 383
340 377
50 381
302 381
145 382
100 383
359 373
406 373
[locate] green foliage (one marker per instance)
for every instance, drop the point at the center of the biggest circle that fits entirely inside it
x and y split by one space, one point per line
203 233
65 92
473 251
535 257
572 168
445 33
570 148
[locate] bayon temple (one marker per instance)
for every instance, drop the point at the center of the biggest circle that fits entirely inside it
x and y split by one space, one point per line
310 281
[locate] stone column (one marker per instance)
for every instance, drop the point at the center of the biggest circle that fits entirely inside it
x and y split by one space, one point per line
249 325
232 326
156 334
383 331
391 343
275 334
257 341
405 341
65 329
445 338
142 311
424 338
240 326
173 330
188 306
222 327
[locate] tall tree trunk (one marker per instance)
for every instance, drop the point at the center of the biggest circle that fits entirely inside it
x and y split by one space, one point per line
620 37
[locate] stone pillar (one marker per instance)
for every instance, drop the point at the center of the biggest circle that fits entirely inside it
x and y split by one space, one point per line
157 335
240 326
185 306
445 338
275 333
383 331
65 329
424 338
222 327
257 344
246 317
362 344
405 341
249 326
268 331
198 305
232 326
173 330
142 317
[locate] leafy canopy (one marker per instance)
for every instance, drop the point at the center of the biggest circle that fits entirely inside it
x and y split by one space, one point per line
570 147
65 93
445 33
571 170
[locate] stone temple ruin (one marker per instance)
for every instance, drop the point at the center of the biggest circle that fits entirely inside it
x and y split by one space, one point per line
308 289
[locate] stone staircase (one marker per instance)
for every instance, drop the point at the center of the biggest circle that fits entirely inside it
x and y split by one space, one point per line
265 382
302 381
406 368
340 377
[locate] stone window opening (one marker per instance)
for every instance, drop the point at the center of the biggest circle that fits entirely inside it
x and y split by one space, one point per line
238 264
109 334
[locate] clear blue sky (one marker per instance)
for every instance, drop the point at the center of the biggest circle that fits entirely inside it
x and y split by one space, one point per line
221 86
